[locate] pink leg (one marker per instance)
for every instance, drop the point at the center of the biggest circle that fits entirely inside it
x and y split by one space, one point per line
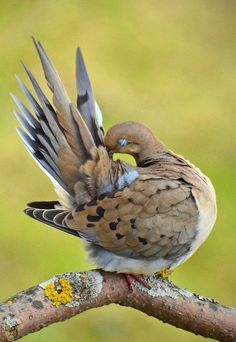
130 276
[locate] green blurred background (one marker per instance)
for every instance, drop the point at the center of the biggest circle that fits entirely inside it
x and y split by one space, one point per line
169 64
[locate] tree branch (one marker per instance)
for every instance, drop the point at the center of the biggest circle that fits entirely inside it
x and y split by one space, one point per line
68 294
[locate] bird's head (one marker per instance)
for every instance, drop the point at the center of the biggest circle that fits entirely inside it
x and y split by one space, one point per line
132 138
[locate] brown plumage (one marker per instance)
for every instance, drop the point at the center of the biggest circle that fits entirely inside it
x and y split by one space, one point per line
135 219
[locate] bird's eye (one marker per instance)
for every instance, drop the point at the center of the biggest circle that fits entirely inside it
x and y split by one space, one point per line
122 142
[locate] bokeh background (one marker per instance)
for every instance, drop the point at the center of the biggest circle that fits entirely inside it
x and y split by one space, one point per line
169 64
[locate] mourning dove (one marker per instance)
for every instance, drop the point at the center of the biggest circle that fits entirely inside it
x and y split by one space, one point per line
138 219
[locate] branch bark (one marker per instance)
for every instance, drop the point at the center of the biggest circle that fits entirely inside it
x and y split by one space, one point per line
68 294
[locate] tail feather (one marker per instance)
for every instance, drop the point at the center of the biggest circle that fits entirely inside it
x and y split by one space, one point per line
52 217
50 214
59 219
44 205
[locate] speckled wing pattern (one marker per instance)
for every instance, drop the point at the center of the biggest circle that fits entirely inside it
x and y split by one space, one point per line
136 212
151 218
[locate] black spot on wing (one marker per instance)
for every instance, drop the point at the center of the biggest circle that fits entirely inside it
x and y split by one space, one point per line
82 99
132 222
95 218
113 225
80 208
119 236
92 218
90 225
91 203
100 211
142 240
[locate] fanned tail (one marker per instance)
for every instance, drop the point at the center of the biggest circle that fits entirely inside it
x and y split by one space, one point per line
51 214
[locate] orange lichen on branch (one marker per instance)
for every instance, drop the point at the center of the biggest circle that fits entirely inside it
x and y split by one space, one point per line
165 273
61 294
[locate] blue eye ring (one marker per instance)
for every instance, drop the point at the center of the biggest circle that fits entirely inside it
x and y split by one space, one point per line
122 142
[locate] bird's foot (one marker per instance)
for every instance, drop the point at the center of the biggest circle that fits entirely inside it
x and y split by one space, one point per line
165 273
130 276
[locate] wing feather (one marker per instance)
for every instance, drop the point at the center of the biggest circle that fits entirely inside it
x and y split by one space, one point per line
86 102
59 138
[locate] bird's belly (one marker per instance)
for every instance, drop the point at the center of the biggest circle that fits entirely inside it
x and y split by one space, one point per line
112 262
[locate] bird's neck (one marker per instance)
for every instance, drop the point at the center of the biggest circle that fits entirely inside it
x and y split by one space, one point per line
150 152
